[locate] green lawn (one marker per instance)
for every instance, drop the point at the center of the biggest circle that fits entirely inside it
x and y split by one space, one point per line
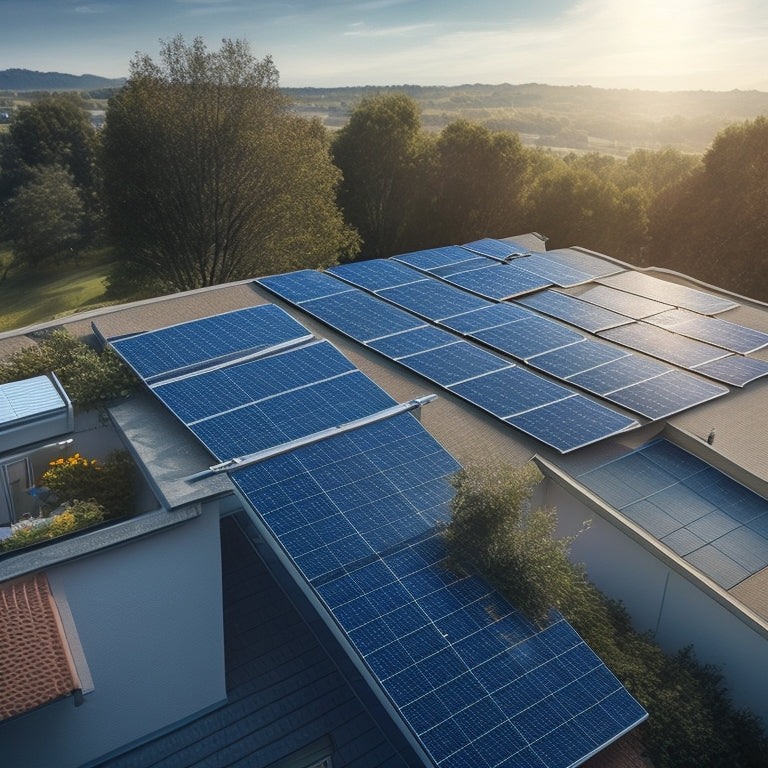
33 297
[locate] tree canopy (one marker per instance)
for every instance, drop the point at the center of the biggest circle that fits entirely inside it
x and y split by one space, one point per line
209 177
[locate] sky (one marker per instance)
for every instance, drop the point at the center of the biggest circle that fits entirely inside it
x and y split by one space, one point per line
666 45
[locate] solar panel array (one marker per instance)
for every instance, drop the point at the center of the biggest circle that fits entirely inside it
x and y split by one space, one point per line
493 383
707 518
355 514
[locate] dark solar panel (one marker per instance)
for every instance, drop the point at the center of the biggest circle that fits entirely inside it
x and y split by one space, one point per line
664 395
361 316
433 299
663 344
622 302
577 357
568 424
375 273
501 281
498 249
198 396
302 285
553 271
410 342
455 362
510 391
735 370
486 317
573 311
585 262
713 330
178 348
479 262
433 257
528 337
670 293
617 374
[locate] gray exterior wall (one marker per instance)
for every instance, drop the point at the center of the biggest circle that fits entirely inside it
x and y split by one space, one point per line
149 618
662 600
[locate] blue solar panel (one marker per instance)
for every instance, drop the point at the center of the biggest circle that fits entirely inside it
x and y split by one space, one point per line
409 342
701 514
553 271
572 423
577 357
528 337
571 310
302 285
361 316
198 396
375 273
498 249
670 293
510 391
713 330
433 299
637 307
434 257
500 281
664 395
479 262
290 415
734 369
455 362
186 346
619 373
663 344
585 262
486 317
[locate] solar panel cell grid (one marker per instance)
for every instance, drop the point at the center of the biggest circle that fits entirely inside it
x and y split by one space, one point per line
303 285
375 273
434 257
619 373
486 317
574 311
433 299
637 307
576 358
528 337
454 363
478 262
555 272
498 282
735 370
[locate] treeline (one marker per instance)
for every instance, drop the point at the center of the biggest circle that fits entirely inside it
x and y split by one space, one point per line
204 173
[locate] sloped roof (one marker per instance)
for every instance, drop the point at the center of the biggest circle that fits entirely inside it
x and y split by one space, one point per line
36 666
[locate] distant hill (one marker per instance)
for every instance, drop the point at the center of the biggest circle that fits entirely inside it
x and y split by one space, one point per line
30 80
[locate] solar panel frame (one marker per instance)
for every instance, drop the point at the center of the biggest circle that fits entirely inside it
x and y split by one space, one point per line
555 272
578 357
528 337
619 373
629 304
432 299
493 248
573 311
410 342
373 274
477 262
489 316
736 370
455 362
433 257
302 285
498 282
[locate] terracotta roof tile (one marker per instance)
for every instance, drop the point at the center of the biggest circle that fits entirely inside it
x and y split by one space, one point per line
36 666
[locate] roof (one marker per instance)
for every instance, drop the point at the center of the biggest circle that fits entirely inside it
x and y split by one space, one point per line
36 665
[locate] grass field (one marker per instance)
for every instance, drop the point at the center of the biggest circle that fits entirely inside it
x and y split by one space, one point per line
27 298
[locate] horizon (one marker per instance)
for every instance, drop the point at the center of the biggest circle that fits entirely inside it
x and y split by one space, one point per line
677 45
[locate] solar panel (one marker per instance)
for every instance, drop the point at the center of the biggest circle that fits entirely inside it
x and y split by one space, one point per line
553 271
713 330
290 415
461 666
375 273
501 281
637 307
433 257
664 395
663 344
479 262
201 395
410 342
498 249
510 391
433 299
585 262
455 362
361 316
670 293
617 374
486 317
302 285
734 369
577 357
528 337
573 423
178 348
569 309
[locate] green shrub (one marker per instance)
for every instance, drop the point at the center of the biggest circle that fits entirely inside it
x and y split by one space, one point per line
81 514
88 377
110 483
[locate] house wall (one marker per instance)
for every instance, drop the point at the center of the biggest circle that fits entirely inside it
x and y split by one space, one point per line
149 617
661 600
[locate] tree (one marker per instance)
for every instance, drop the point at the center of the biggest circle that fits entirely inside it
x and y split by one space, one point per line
46 217
377 152
495 531
209 177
